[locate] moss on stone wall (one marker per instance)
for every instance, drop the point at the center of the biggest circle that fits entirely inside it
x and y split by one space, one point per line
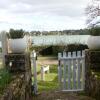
92 68
17 89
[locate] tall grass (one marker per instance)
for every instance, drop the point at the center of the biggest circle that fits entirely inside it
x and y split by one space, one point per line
5 78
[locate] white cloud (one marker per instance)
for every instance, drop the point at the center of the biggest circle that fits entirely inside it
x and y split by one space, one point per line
42 14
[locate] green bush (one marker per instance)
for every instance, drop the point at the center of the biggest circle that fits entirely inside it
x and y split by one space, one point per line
13 34
95 31
54 50
76 47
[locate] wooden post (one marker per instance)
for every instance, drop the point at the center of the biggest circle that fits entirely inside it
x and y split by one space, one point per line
79 70
42 74
35 72
59 71
64 63
69 71
83 70
44 69
74 70
4 46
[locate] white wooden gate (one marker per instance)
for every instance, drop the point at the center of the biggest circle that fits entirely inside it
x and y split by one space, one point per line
71 71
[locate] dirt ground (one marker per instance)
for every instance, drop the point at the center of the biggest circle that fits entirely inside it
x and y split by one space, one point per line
47 60
54 95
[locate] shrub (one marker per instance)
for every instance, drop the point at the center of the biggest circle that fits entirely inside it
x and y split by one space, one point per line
95 31
13 34
76 47
54 50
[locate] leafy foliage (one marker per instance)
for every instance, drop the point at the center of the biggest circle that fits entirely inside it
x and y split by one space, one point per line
54 50
5 78
95 31
51 80
76 47
13 34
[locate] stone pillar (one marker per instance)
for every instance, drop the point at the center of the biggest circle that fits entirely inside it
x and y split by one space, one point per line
92 65
21 64
93 58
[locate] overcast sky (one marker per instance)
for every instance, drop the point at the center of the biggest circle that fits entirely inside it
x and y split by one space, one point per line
42 14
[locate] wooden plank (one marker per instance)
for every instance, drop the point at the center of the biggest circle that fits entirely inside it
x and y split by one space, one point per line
4 46
59 71
35 72
70 58
79 71
64 75
72 90
69 71
74 71
83 70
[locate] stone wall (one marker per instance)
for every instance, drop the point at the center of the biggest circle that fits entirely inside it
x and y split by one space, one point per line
20 86
92 82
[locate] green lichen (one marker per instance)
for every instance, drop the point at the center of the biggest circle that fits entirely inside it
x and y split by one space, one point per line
96 73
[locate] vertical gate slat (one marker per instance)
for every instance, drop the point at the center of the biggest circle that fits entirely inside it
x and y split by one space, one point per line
64 75
35 72
79 71
83 69
69 71
59 70
74 71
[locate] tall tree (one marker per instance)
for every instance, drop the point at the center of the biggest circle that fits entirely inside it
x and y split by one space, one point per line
92 10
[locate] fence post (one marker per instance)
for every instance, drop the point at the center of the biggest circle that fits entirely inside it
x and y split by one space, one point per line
74 70
59 71
35 72
4 46
79 69
69 71
42 74
64 63
83 70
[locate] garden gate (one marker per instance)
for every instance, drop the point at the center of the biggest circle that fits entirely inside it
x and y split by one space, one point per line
71 71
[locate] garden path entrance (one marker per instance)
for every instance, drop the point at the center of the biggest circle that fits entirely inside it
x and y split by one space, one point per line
50 81
48 89
68 71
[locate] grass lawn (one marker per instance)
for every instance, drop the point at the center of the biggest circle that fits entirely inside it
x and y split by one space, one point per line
5 77
1 63
51 79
